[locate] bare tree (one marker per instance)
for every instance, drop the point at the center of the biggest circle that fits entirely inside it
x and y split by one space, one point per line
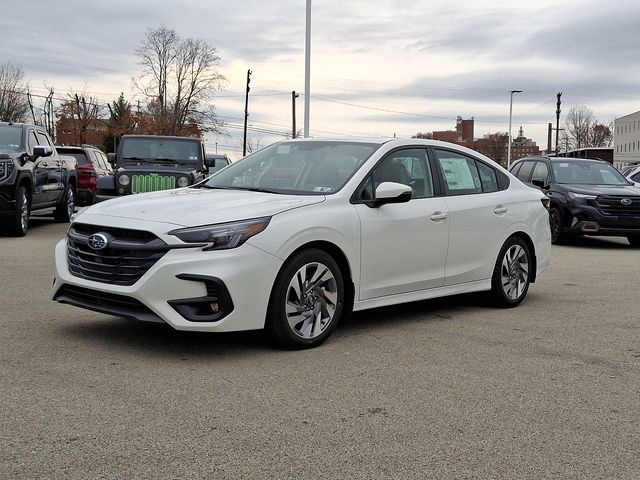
77 115
179 79
582 130
425 135
14 103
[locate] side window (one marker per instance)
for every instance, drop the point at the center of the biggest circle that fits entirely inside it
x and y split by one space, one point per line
32 141
488 178
525 171
42 139
460 173
540 172
98 160
636 177
408 167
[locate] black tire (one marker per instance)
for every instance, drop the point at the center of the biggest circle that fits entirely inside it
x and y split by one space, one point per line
67 205
18 223
512 271
634 240
558 236
315 309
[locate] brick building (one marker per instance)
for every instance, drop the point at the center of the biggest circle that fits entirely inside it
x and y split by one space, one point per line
69 131
493 145
462 135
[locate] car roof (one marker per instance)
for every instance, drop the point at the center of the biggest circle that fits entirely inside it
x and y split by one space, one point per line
560 159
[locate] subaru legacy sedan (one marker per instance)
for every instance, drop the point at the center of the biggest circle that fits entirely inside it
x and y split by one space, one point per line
294 237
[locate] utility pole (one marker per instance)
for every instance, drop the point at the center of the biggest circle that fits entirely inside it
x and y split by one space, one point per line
510 114
549 139
246 114
294 95
558 120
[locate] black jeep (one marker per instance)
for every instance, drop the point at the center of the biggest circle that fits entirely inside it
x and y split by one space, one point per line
146 163
33 177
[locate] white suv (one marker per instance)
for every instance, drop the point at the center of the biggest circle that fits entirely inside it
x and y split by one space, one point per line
293 237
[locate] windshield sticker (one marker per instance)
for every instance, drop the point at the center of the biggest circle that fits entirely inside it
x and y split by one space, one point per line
284 149
323 189
563 165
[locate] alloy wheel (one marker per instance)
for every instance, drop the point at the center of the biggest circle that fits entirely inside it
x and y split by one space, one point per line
554 221
515 272
311 300
24 213
71 202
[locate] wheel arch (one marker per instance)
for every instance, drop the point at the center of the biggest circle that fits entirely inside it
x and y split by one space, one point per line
341 259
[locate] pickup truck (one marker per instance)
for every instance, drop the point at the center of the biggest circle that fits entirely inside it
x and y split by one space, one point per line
33 177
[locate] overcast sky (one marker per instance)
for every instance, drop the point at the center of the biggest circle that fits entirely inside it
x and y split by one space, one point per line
379 68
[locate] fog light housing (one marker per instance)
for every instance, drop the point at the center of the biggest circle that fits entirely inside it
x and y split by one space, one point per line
213 307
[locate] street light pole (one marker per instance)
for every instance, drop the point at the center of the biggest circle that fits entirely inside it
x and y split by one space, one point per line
307 71
294 95
510 114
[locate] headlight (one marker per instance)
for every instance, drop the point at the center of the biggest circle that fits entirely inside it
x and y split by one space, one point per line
124 180
223 236
183 181
574 196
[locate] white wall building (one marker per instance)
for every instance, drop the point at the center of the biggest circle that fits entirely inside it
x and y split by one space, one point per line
626 139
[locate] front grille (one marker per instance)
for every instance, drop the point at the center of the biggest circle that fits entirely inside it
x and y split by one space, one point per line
612 205
151 183
104 302
127 257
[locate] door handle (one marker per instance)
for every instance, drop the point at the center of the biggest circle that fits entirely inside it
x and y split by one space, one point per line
500 209
437 216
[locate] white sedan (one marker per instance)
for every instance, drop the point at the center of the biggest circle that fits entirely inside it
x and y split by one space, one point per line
295 236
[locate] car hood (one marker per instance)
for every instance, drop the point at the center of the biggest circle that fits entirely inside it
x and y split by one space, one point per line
198 206
617 190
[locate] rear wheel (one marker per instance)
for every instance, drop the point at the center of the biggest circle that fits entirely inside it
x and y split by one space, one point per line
307 300
67 205
19 222
512 273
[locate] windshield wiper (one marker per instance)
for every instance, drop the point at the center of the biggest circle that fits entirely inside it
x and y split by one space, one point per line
255 189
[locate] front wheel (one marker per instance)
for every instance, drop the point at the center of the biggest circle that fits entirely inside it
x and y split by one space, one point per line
555 222
67 205
19 222
307 300
512 273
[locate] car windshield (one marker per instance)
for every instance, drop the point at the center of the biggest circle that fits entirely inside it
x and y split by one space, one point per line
581 172
296 167
160 150
10 138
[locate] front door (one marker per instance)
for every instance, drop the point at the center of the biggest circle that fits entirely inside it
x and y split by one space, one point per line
403 245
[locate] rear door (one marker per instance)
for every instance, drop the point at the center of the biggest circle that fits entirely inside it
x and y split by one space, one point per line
479 213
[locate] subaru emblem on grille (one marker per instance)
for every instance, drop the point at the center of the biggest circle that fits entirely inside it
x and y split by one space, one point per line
626 201
98 241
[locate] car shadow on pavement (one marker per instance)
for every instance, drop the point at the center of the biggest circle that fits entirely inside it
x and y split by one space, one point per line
609 243
156 338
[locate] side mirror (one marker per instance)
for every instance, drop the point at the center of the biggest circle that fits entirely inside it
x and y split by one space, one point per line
391 192
111 158
540 183
41 151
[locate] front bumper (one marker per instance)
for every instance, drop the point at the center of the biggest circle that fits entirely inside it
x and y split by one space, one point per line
588 220
247 273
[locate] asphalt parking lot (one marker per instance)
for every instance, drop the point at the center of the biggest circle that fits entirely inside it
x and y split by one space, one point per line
437 389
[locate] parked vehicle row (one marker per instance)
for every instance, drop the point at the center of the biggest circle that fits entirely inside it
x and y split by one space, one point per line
587 197
33 177
36 177
294 237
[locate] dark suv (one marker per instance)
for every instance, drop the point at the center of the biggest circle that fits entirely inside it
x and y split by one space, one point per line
92 165
146 163
587 197
33 177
